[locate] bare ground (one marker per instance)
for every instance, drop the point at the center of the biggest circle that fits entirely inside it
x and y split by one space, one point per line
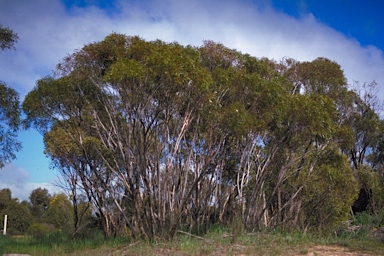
326 250
240 250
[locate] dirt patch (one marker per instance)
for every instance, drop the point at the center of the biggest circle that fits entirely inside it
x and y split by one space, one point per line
238 250
327 250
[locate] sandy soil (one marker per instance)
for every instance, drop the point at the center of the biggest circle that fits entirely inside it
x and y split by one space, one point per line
326 250
320 250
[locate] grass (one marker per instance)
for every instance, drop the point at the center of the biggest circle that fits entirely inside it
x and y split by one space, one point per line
59 243
218 241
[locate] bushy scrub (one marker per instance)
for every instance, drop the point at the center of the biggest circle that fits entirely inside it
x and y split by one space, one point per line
371 189
331 191
39 230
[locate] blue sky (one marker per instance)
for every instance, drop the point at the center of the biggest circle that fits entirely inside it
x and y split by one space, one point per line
358 19
348 32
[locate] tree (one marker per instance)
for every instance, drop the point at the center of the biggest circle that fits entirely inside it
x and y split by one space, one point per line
19 217
59 213
305 125
9 124
158 136
364 149
131 153
331 190
7 38
5 198
39 199
9 108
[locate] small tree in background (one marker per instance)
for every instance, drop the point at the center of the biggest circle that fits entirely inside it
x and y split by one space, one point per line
39 199
19 217
59 213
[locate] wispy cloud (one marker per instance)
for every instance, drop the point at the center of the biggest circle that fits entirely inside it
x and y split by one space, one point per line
13 176
18 181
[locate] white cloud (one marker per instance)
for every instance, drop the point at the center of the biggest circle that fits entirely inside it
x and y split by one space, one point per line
17 180
13 175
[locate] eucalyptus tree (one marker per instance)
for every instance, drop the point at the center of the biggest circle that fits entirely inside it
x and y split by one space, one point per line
307 125
159 136
364 152
63 117
249 93
365 122
138 126
9 107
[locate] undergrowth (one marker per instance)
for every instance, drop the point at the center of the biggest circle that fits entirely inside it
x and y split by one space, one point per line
218 240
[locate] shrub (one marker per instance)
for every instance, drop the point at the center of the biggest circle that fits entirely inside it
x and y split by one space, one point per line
38 230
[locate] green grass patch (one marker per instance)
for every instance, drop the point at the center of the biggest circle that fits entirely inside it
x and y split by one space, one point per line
57 243
217 241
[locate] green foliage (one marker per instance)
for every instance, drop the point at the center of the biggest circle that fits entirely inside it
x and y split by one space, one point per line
18 215
9 107
330 192
370 182
322 76
7 38
40 230
9 124
39 199
59 213
363 226
304 119
5 198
